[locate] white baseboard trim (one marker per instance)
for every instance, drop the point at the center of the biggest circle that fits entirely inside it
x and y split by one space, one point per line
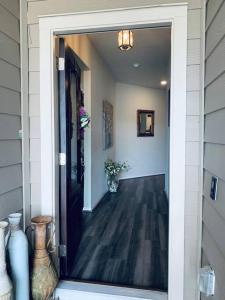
87 209
68 290
140 176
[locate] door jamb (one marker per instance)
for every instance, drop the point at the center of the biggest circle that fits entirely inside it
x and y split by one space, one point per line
174 15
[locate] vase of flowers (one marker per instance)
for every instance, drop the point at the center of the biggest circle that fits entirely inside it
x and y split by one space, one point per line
112 170
112 183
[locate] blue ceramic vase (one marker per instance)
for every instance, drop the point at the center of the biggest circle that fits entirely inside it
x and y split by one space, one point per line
6 292
18 257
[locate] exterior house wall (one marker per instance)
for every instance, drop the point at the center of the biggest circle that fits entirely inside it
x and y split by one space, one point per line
10 111
194 110
214 163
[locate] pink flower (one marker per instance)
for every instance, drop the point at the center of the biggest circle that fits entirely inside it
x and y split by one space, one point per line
82 111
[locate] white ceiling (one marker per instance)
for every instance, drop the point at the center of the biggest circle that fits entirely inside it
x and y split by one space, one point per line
151 50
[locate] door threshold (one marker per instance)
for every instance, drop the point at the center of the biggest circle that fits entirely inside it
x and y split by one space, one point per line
67 290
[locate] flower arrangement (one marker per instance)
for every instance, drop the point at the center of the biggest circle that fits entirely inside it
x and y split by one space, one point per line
112 170
84 118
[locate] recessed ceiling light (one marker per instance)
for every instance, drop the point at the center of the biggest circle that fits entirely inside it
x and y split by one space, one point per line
163 82
136 65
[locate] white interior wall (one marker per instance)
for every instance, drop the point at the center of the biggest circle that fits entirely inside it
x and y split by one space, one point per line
101 87
145 155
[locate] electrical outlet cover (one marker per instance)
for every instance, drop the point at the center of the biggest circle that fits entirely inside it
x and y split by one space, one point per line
207 281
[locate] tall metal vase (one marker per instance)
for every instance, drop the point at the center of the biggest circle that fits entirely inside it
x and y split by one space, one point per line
6 292
44 276
18 256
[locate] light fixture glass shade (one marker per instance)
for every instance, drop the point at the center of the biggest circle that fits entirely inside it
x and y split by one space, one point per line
125 40
163 82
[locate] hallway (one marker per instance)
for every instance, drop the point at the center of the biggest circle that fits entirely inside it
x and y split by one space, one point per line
125 239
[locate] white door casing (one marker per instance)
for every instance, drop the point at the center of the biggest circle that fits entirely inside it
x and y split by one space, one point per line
151 16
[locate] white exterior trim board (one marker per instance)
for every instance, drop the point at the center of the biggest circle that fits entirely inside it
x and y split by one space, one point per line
176 15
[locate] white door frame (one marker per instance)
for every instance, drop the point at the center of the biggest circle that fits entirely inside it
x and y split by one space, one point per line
174 15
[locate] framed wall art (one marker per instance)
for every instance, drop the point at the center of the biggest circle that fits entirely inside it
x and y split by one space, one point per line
107 125
145 123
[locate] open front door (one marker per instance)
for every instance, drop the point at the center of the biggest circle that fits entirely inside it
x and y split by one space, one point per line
71 157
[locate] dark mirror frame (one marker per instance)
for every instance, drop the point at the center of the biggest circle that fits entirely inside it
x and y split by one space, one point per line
146 134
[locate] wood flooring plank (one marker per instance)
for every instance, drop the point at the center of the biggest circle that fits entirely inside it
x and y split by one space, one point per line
125 239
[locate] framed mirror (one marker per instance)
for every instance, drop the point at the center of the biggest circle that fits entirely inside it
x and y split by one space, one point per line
145 122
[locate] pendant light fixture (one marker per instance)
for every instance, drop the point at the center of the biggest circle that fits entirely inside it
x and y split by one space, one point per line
125 40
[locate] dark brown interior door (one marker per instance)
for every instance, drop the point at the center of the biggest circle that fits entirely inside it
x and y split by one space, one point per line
71 162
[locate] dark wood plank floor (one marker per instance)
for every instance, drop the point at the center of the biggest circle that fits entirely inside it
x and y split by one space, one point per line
125 239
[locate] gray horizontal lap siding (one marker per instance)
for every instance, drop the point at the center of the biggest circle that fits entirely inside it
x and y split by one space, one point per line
213 246
10 109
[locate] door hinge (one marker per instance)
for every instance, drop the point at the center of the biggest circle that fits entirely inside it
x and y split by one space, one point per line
62 159
62 250
61 63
